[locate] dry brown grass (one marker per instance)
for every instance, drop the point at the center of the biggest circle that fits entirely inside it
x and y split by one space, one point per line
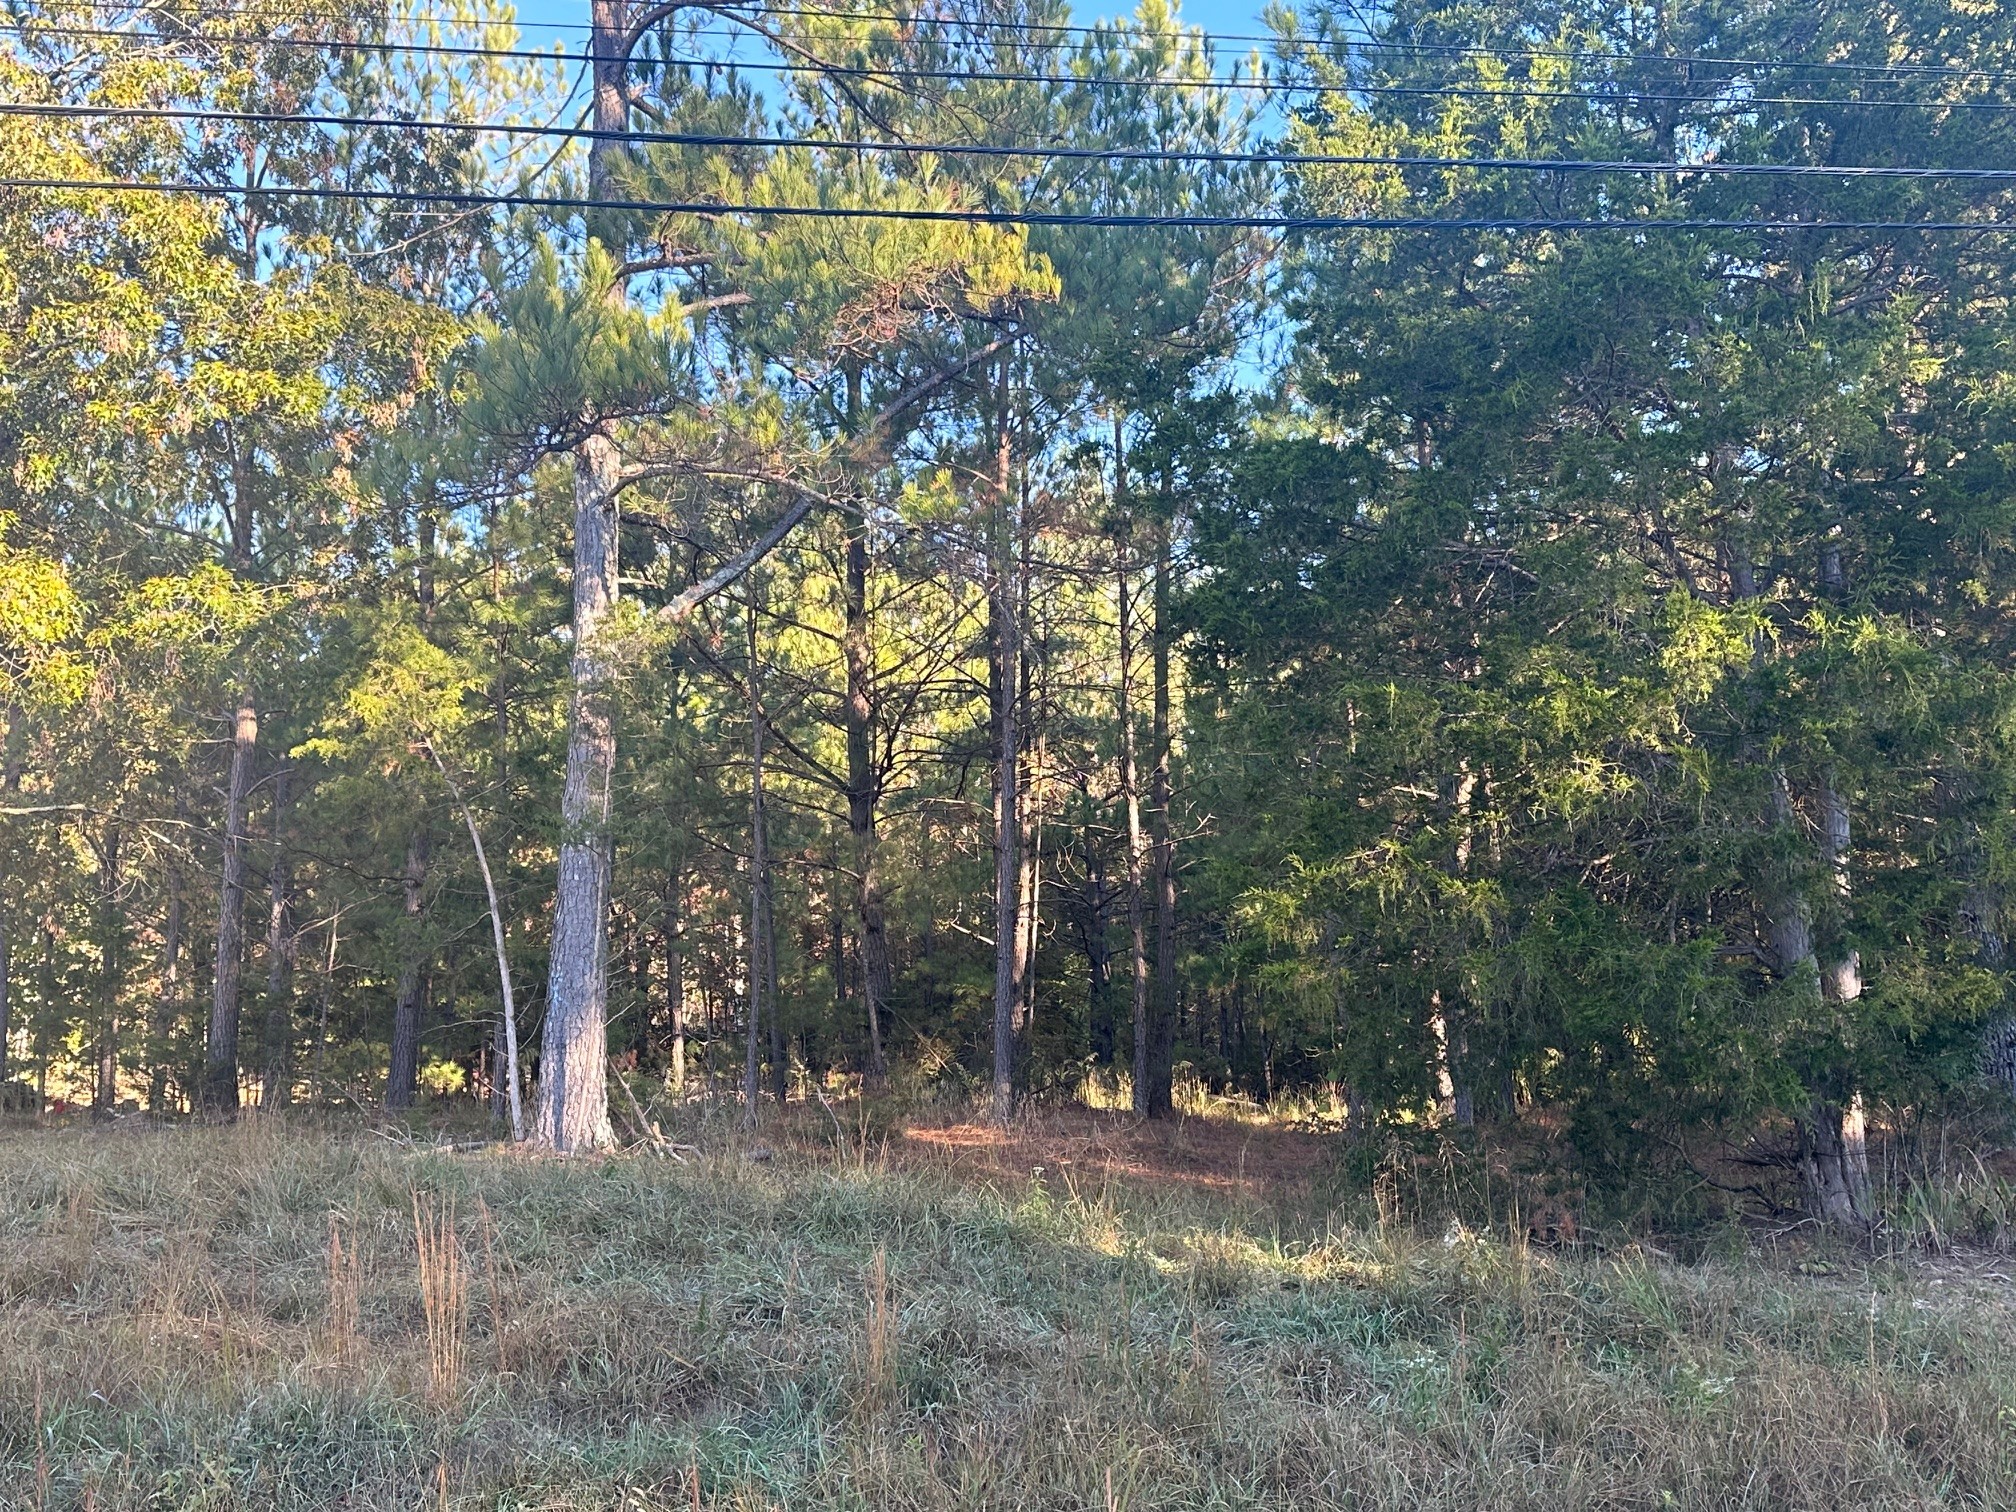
260 1317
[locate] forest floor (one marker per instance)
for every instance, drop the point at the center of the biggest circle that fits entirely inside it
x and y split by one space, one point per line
1079 1314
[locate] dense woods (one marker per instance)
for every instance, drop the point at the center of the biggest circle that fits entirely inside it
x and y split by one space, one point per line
1514 679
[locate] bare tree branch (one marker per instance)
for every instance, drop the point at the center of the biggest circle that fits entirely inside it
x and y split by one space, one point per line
685 603
925 387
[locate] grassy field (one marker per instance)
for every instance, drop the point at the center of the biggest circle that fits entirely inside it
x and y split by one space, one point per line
274 1317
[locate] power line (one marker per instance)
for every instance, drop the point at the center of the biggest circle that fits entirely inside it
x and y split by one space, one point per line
317 44
988 149
977 23
1447 49
1382 44
1607 93
983 24
1615 95
1116 219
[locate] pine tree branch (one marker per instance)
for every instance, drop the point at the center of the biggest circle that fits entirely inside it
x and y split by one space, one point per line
679 607
925 387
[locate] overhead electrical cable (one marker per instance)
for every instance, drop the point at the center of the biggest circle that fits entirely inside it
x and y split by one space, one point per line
1121 219
1609 93
1089 32
1004 150
553 54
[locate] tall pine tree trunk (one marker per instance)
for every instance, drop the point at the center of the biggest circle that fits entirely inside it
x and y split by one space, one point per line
168 1000
1833 1140
871 928
402 1078
1832 1147
10 786
6 995
325 992
279 1057
573 1096
1452 1027
112 970
1130 793
220 1074
47 978
1029 876
675 978
1159 1098
780 1043
1833 1151
1833 1136
1980 919
1004 617
573 1101
1098 959
1029 884
762 991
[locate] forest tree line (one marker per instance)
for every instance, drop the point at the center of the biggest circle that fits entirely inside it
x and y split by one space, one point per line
1503 674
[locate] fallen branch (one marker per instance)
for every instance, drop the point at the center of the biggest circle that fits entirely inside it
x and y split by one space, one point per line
648 1129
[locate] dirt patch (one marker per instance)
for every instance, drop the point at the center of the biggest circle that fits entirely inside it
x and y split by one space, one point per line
1089 1149
1973 1282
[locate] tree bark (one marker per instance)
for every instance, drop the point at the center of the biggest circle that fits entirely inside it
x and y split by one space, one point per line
1029 879
10 785
1788 915
1029 882
280 944
573 1096
1004 614
1833 1148
863 791
168 1001
1130 795
1980 919
780 1043
402 1077
1841 976
762 1002
1098 959
325 991
105 1095
1834 1156
47 983
1834 1142
1452 1029
675 978
6 994
220 1076
1159 1100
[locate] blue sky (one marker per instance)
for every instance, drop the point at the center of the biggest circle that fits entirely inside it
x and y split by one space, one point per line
1220 17
1237 16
